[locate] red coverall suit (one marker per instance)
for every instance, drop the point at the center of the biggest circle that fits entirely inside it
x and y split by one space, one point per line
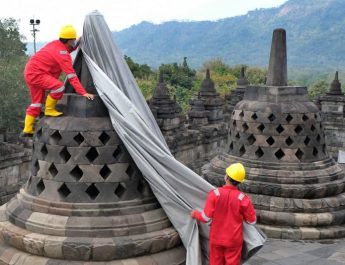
42 72
227 207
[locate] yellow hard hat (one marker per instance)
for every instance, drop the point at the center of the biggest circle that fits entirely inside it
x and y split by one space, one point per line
236 172
68 32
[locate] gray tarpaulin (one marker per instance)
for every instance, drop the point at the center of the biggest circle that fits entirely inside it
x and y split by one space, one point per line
177 188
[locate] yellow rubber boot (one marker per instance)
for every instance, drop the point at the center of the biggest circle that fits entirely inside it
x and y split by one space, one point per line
29 125
50 107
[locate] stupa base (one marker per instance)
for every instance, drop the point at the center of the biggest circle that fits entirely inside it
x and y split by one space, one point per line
13 256
304 233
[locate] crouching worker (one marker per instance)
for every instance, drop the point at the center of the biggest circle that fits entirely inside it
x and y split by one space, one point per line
226 208
42 73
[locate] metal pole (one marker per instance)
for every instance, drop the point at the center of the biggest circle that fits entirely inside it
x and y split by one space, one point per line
34 30
34 35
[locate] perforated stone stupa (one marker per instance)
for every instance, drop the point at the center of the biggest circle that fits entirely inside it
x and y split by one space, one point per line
85 200
333 113
276 132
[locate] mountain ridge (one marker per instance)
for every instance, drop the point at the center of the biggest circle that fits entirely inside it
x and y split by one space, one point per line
315 29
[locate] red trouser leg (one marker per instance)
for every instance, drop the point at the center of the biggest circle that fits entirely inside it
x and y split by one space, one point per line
37 97
233 256
220 255
216 255
45 82
55 86
37 85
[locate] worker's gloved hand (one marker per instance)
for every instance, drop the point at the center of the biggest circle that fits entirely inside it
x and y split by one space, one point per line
89 96
192 213
78 42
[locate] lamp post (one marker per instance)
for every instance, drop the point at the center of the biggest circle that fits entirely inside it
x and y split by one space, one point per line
34 23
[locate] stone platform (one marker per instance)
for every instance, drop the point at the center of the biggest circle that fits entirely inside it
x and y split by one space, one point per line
287 252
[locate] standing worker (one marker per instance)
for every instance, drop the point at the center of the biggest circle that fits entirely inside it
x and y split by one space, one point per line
42 72
226 208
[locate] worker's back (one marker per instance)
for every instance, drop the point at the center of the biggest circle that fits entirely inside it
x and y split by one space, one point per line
48 59
232 207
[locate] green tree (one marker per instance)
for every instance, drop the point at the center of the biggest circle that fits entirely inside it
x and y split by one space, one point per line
11 44
216 65
141 71
256 75
225 76
184 95
318 89
178 75
14 94
147 87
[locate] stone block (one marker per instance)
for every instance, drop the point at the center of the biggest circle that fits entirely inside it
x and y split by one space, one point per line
271 231
136 219
82 107
124 247
305 220
77 249
291 233
267 217
309 233
276 204
53 247
2 213
16 238
329 233
34 260
285 219
158 244
126 262
34 243
177 254
35 221
338 217
103 249
174 240
19 258
78 225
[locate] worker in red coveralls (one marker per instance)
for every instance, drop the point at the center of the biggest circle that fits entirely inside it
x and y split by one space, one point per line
226 208
42 72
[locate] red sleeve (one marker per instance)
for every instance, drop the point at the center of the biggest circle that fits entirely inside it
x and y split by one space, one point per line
198 216
210 204
248 210
207 214
65 62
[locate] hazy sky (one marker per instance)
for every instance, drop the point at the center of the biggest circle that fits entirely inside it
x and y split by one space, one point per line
120 14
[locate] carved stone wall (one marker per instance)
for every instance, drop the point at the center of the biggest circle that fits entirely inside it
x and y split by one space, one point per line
203 135
14 169
194 148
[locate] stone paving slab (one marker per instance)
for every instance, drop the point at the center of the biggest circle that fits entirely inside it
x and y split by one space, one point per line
285 252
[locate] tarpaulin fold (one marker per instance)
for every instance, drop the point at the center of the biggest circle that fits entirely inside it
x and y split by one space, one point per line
177 188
